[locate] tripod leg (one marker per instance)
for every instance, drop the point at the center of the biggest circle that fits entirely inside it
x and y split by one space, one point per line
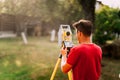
70 75
55 69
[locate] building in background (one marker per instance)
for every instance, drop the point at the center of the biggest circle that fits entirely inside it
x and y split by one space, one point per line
98 5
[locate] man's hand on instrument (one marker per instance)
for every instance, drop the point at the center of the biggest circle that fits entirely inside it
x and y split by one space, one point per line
63 51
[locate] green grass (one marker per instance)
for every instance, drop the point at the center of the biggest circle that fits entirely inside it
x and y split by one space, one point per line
111 69
36 60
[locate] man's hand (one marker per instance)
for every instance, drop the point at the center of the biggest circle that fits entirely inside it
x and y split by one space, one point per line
63 51
65 67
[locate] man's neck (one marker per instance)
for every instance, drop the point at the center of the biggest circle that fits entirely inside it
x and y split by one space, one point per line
85 40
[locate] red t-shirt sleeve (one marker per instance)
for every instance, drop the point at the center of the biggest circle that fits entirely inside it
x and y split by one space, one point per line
73 57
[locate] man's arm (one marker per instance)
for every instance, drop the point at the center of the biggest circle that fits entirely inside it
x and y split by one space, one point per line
65 67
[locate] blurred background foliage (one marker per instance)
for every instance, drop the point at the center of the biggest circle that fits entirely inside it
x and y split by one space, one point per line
107 24
53 12
47 10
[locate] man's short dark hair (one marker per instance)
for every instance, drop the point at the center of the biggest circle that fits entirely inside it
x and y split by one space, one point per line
84 26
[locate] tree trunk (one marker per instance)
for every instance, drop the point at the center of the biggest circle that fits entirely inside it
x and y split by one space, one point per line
88 9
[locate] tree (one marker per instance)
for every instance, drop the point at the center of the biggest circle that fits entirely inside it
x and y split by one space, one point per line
71 11
108 24
88 8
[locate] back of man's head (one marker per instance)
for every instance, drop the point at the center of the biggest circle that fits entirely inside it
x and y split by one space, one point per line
84 26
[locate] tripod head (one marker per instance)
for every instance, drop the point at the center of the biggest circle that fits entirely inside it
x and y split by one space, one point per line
64 35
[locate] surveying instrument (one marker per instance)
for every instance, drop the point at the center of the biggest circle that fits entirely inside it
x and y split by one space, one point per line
65 41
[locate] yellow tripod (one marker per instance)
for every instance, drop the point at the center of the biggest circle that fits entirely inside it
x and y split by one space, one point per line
56 67
57 64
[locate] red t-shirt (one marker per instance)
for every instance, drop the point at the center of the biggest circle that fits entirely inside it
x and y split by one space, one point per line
86 61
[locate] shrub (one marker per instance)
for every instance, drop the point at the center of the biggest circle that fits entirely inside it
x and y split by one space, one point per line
107 24
112 50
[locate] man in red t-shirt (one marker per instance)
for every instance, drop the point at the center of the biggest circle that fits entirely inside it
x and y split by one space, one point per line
85 58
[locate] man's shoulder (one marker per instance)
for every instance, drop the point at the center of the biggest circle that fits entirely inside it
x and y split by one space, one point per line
78 47
97 46
82 46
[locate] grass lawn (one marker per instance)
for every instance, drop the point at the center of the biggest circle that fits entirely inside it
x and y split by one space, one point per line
36 60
